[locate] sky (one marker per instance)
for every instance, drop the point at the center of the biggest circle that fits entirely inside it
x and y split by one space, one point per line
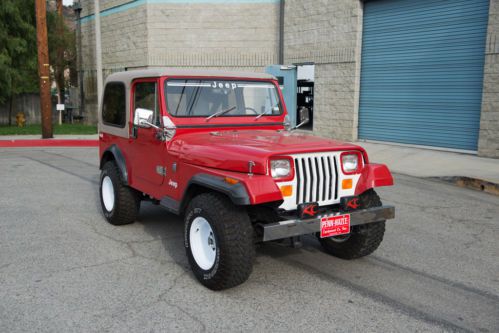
67 2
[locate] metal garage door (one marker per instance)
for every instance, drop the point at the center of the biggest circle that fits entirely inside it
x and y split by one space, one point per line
422 71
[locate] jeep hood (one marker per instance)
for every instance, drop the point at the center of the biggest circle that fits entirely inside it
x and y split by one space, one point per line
233 150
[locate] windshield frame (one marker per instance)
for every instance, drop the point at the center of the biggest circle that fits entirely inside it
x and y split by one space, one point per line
222 78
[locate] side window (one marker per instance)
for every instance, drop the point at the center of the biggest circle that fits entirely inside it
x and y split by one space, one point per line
146 97
114 104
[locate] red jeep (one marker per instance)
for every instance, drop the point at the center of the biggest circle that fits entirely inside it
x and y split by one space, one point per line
218 149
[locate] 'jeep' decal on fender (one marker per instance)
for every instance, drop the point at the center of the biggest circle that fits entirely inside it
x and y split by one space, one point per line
173 183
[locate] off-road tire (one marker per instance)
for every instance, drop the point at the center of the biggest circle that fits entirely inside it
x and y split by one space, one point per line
363 239
235 251
126 200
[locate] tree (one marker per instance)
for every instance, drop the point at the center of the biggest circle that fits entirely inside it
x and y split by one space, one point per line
18 50
18 58
62 50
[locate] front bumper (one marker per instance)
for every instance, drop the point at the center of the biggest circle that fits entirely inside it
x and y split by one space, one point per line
292 228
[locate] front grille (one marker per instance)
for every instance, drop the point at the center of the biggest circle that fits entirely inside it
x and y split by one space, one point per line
316 179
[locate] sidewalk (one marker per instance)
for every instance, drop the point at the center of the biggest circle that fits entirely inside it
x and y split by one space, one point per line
56 137
24 141
470 170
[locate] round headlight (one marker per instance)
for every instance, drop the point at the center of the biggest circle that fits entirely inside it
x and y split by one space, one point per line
280 168
350 162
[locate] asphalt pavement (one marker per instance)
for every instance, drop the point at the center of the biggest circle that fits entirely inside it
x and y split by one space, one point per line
64 269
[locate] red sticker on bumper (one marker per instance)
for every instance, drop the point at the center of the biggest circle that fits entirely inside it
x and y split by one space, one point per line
335 225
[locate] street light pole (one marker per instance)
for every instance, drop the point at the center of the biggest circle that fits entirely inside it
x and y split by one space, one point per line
98 53
77 9
60 80
43 68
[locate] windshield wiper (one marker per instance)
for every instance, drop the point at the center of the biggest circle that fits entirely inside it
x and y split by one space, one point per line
262 114
272 109
219 113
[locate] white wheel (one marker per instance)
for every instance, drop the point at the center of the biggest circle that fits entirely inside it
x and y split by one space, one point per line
120 204
203 243
218 241
108 193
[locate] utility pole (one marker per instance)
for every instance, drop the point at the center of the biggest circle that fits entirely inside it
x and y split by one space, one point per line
43 68
59 7
98 53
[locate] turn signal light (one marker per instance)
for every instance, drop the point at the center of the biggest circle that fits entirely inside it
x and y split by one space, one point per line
231 181
346 184
286 190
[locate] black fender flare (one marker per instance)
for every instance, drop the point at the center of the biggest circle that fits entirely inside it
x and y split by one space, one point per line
236 192
118 158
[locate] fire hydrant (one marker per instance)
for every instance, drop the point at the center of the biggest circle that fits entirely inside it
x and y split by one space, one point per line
20 119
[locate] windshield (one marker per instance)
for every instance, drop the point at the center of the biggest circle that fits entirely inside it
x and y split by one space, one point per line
221 98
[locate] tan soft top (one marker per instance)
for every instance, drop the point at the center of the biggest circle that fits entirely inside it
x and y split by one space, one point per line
131 75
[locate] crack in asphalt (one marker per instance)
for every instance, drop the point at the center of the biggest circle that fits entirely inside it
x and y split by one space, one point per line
162 298
75 268
5 266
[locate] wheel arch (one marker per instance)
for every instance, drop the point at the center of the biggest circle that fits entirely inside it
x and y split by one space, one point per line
203 183
113 153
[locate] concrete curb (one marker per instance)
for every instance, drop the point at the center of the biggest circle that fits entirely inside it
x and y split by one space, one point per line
48 143
471 183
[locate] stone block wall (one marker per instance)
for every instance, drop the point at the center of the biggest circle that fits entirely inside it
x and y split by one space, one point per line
141 34
124 45
327 34
123 35
488 144
214 35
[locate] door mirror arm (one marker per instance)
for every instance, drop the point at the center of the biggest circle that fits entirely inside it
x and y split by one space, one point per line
146 124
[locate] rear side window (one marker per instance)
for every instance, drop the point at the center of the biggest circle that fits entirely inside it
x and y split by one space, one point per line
114 104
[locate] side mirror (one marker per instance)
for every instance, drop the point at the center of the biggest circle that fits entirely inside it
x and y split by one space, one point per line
304 116
143 118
